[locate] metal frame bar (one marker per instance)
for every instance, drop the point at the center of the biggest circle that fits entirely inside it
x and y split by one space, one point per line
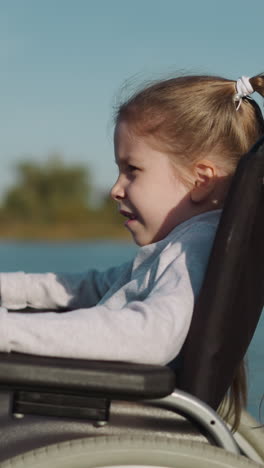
201 414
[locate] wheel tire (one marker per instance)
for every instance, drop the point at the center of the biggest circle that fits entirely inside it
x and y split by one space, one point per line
129 451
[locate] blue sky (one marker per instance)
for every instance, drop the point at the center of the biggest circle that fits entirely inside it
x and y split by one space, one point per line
64 63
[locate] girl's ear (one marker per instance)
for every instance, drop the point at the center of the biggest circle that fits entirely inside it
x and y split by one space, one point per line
204 180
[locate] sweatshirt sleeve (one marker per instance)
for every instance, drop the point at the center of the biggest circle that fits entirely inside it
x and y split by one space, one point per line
56 291
150 331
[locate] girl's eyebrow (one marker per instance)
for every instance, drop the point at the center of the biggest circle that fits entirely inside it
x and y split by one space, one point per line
128 159
125 160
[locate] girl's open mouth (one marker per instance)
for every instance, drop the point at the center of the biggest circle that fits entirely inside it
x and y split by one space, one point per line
131 217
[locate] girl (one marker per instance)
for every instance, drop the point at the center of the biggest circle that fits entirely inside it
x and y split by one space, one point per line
177 143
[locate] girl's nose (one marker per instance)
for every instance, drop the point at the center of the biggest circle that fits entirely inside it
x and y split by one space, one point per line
118 191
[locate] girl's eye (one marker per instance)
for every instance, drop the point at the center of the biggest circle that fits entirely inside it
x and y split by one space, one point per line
132 168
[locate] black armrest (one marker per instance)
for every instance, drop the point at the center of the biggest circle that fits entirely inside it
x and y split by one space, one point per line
97 378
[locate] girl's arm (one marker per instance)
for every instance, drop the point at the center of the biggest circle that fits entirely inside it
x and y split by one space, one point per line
148 331
144 332
56 291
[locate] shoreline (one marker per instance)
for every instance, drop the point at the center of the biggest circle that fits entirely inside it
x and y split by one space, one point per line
63 232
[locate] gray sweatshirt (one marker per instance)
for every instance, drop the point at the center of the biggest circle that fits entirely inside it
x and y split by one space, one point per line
137 312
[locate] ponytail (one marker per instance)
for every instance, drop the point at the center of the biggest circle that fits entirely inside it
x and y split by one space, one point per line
236 398
257 83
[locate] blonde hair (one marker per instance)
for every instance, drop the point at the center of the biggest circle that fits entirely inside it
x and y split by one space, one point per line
194 116
190 117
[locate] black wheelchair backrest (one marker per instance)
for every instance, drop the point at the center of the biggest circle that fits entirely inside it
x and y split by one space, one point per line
231 298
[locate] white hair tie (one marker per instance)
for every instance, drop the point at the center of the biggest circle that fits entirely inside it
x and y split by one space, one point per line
244 88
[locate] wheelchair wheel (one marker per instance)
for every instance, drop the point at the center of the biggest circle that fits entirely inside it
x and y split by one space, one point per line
129 452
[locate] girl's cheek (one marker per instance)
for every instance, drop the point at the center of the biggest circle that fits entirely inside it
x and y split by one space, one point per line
131 187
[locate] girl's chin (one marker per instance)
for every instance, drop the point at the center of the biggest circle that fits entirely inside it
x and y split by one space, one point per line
140 236
140 241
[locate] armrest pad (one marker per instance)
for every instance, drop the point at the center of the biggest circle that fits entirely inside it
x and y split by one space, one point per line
98 378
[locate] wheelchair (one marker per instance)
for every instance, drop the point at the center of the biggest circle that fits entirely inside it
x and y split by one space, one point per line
80 414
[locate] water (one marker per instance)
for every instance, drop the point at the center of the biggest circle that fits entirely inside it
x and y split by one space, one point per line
72 256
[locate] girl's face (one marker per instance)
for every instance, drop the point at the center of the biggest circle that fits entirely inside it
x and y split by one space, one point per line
148 190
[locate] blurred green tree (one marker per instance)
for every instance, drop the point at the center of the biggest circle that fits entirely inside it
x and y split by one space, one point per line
49 192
